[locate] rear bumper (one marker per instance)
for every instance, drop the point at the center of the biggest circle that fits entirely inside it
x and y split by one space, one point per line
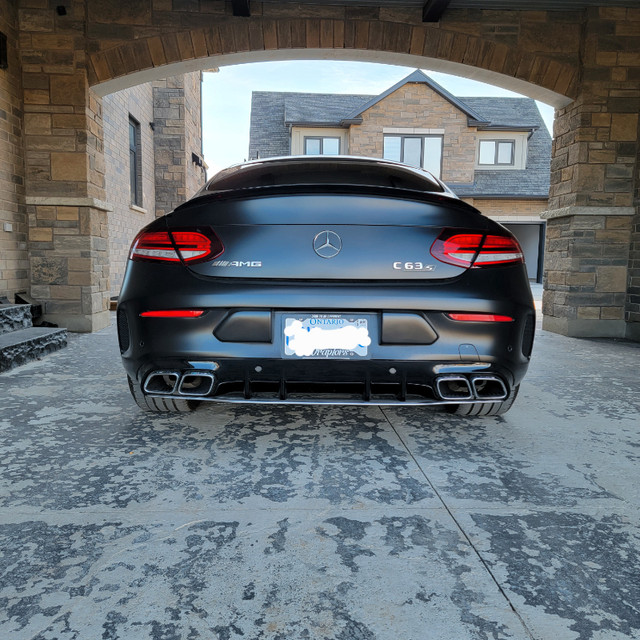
256 371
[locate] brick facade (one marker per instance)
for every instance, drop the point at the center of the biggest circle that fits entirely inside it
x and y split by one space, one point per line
126 220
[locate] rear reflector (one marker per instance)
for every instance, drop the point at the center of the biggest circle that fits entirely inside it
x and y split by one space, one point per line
190 246
479 317
173 313
472 249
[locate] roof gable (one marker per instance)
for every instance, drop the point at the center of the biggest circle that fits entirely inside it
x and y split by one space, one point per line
417 76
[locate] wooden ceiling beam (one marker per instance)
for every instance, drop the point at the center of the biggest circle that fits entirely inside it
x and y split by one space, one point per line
241 8
433 9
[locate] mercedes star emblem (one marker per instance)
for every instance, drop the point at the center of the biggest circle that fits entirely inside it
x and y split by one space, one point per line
327 244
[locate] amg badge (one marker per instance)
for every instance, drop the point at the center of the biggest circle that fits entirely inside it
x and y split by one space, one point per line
237 263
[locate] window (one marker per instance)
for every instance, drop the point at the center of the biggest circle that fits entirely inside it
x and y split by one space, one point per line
418 151
500 152
135 164
320 146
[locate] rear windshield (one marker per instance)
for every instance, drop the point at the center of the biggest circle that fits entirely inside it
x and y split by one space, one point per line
320 172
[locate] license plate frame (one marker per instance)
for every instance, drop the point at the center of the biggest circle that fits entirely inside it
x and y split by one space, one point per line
331 336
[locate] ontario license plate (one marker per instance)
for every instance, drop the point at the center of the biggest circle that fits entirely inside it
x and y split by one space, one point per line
338 336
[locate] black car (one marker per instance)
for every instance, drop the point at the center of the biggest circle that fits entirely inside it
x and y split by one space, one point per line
326 280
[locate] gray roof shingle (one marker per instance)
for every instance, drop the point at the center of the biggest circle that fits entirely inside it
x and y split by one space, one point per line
320 108
272 114
532 181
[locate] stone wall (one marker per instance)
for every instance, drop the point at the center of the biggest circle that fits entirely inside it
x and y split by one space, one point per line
506 207
176 133
196 173
125 220
586 273
591 283
14 258
415 105
590 57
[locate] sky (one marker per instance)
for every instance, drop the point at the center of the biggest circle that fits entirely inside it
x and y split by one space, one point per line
226 95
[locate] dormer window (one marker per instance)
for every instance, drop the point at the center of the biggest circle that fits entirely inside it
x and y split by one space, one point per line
496 152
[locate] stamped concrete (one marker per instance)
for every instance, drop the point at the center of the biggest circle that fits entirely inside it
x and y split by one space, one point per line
319 522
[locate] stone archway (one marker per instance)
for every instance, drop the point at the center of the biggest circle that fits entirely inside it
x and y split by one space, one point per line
537 76
567 60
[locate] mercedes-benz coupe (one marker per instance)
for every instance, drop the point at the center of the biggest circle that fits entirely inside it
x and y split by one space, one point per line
326 280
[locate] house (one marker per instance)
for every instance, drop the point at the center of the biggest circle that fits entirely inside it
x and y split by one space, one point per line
493 152
153 158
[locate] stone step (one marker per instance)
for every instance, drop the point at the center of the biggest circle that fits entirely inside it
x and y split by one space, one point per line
25 345
14 317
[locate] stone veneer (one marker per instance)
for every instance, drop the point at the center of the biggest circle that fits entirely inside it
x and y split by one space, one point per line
170 129
509 207
14 257
591 252
591 57
415 105
177 134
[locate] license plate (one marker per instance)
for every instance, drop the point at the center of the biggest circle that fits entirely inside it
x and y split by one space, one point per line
331 336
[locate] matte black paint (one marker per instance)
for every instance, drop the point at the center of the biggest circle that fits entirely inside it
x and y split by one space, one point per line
240 335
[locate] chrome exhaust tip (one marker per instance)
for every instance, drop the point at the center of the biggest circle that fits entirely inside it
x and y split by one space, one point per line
196 383
454 388
489 388
161 382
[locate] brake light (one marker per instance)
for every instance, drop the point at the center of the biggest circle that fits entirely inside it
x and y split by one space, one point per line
479 317
190 246
173 313
472 249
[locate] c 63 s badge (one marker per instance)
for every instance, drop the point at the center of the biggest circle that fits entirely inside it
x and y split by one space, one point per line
413 266
256 264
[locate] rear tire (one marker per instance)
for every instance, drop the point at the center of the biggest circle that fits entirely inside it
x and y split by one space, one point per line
160 405
484 408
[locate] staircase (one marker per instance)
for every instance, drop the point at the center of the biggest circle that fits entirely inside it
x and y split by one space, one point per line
20 341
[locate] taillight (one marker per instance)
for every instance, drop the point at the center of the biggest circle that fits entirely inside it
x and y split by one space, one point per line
472 249
173 313
190 246
479 317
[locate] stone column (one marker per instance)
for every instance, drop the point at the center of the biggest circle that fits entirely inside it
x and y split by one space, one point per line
591 206
68 244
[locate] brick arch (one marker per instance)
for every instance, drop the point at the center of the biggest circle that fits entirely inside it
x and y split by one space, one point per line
534 74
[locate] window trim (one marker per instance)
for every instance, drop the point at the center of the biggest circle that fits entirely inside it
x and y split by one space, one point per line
135 163
321 139
422 137
497 142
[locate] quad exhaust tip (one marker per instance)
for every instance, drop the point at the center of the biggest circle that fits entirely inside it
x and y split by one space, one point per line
480 387
196 383
161 382
489 388
191 384
454 388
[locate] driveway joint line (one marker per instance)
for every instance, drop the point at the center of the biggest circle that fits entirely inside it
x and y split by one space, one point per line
460 528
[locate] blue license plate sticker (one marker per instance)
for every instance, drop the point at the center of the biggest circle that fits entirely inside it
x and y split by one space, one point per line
326 336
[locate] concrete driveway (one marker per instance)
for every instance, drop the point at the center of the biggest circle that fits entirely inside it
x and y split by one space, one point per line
319 522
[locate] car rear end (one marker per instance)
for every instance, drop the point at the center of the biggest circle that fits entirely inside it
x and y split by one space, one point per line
326 291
